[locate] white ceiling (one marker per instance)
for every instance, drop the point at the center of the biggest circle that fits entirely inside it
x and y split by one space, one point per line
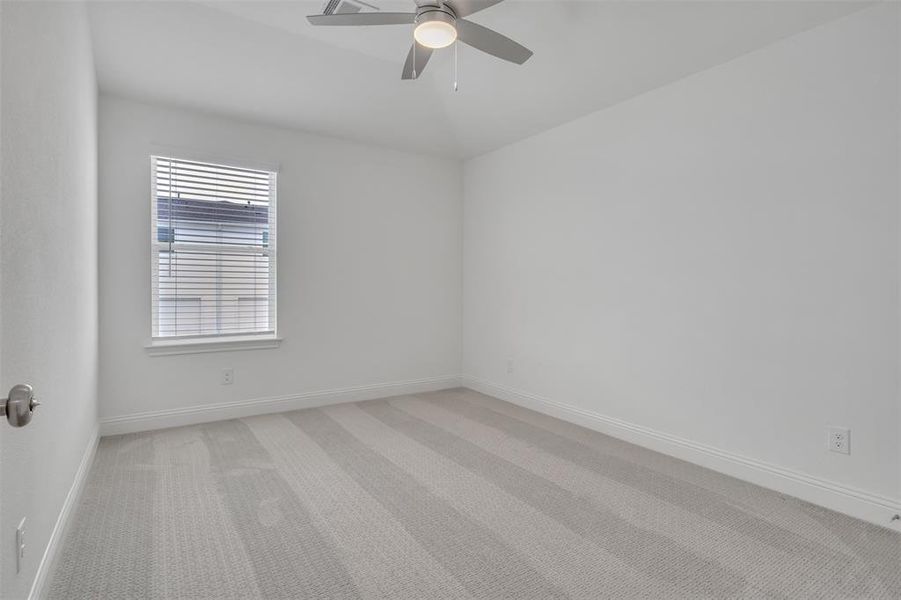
261 60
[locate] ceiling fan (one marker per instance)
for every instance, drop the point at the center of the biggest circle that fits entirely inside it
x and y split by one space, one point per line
438 24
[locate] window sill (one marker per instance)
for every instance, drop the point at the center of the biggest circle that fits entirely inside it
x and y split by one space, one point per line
222 344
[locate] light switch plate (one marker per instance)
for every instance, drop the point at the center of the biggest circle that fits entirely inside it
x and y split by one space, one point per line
20 545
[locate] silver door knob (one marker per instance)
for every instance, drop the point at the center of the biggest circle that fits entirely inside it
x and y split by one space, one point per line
19 405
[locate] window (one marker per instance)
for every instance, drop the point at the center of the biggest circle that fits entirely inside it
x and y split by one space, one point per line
179 314
213 251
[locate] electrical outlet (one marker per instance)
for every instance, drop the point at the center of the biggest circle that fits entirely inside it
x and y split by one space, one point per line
228 376
20 545
509 366
838 439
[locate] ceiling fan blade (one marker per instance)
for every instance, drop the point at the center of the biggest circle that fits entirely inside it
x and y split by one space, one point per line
423 55
369 18
464 8
490 41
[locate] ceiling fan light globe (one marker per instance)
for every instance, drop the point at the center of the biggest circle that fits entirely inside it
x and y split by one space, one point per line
435 34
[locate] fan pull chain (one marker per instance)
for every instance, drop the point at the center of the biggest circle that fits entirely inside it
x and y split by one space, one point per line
455 66
414 59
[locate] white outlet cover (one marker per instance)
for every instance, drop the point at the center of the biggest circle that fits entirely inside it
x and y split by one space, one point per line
838 439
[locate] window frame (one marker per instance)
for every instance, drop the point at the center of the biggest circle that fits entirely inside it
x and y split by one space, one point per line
157 345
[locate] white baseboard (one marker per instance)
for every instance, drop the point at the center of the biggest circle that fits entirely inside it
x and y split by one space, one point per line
854 502
51 552
207 413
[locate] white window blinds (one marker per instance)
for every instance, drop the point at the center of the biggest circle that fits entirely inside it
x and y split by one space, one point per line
213 250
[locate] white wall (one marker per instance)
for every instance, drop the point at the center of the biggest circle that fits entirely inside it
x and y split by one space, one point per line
369 264
716 260
48 261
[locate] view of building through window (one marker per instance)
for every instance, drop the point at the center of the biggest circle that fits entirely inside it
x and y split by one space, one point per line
213 251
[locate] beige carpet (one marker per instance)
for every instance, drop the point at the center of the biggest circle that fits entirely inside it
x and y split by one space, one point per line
444 495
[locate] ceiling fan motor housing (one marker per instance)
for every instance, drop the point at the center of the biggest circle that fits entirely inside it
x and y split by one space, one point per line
435 13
